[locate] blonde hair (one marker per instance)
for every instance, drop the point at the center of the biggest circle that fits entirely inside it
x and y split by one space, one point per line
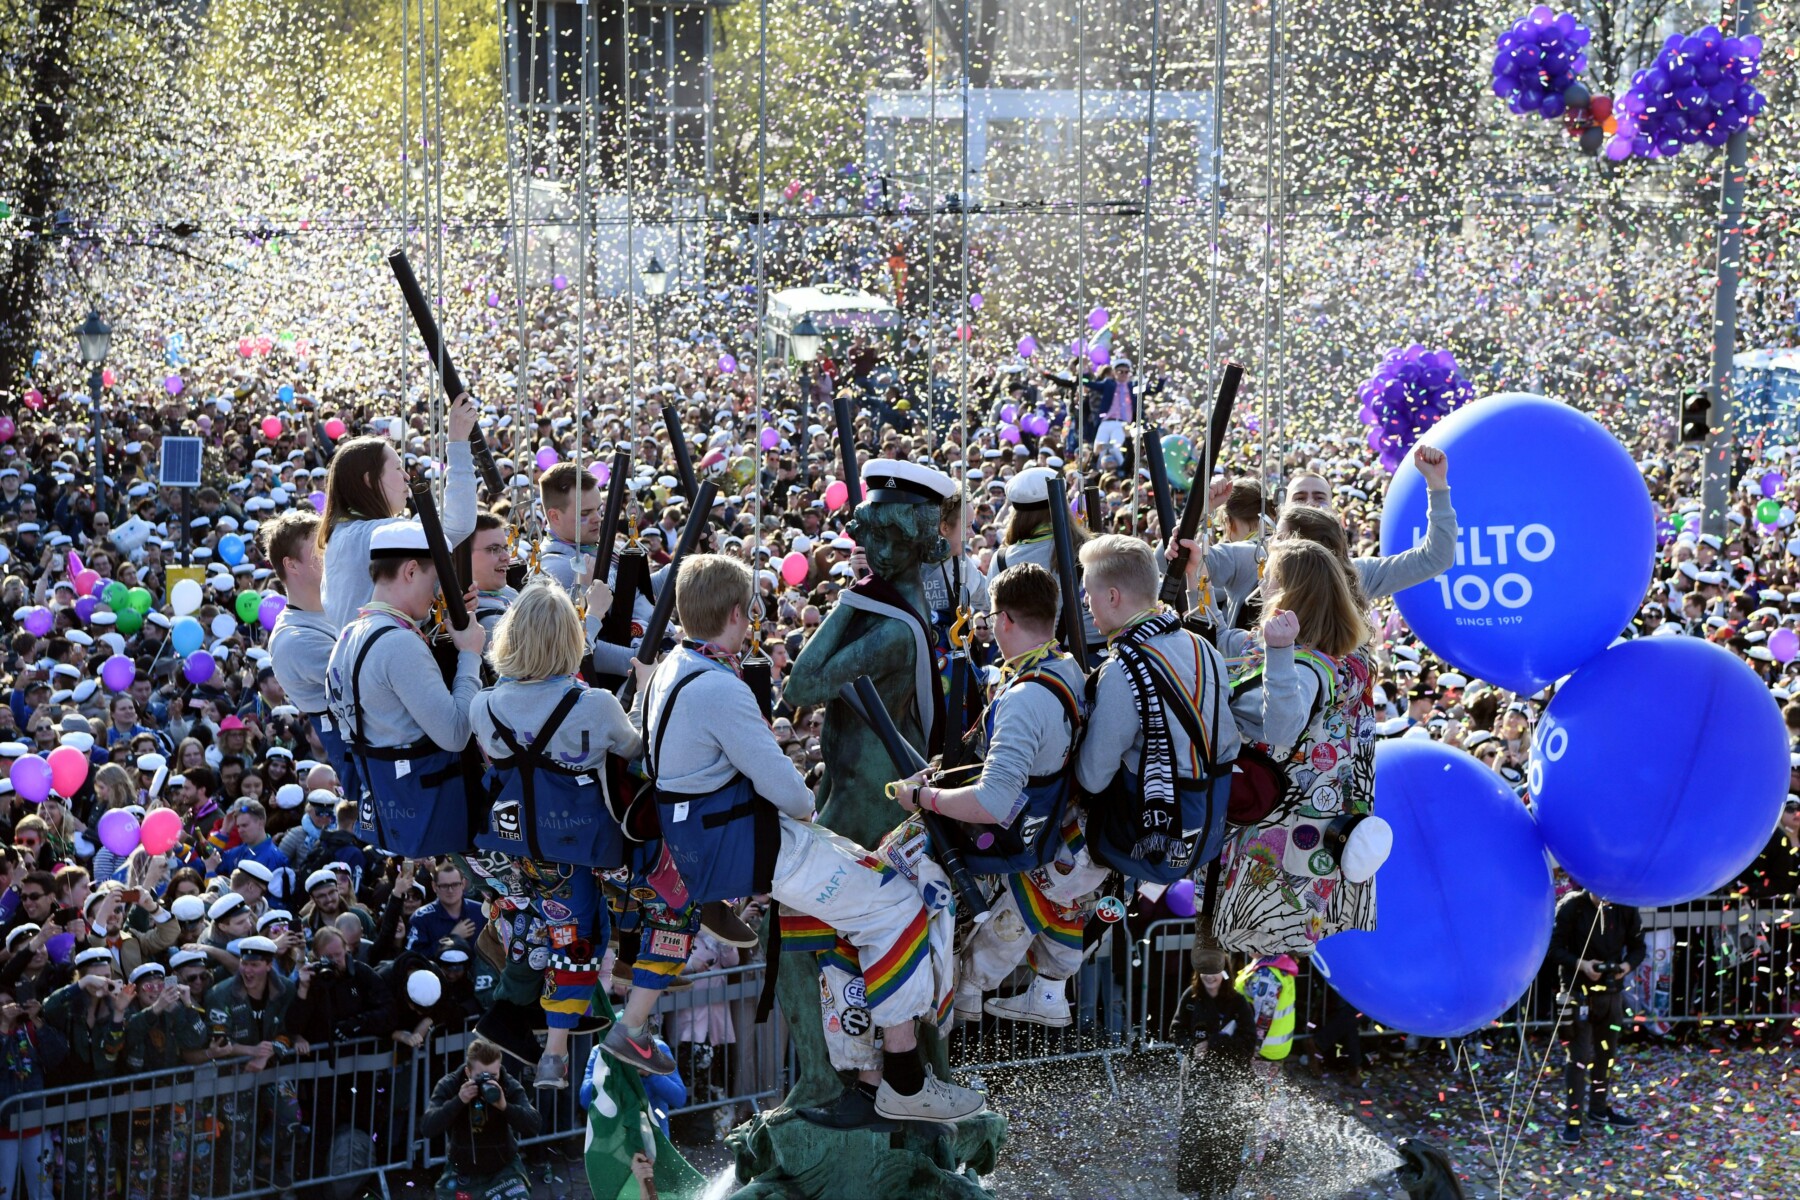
112 784
540 637
708 587
1308 580
1113 560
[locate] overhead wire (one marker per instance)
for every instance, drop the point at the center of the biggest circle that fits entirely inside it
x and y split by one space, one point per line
762 300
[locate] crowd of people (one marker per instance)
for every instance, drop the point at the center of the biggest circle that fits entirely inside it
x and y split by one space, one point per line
286 917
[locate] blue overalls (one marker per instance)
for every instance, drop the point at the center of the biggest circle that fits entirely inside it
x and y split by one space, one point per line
1035 832
414 799
1113 813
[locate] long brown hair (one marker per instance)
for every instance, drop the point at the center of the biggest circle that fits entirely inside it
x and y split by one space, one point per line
1028 520
1305 522
353 486
1309 581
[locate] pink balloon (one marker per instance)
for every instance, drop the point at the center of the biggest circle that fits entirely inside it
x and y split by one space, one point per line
836 494
75 567
107 378
85 581
334 429
160 831
271 427
246 347
1784 644
31 778
68 770
7 429
795 568
34 399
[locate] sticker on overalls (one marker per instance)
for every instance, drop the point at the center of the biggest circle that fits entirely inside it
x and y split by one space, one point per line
856 1021
506 822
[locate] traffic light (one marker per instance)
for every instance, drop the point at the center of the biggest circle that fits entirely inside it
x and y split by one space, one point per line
1695 428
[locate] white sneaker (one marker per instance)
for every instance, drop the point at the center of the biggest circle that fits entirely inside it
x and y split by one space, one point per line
936 1101
1043 1003
968 1001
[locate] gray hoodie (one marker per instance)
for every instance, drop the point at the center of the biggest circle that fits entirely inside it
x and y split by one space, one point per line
300 645
402 699
1114 736
596 725
1031 737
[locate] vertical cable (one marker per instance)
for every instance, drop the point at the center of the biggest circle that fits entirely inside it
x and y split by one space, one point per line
965 315
762 300
1215 199
1141 408
625 140
1271 217
440 423
405 184
1081 216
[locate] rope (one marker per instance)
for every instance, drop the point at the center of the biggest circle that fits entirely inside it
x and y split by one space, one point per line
966 313
1141 412
1212 316
762 298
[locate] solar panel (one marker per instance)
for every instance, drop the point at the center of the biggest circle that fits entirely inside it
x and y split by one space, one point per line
179 465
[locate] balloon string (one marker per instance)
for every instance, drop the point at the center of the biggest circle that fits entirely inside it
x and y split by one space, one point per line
1511 1139
1487 1129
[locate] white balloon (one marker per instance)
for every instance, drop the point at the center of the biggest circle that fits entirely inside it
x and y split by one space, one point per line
185 597
424 989
224 625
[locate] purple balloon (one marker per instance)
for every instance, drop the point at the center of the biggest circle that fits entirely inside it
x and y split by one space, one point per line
31 778
84 608
1036 424
547 457
317 500
269 611
117 673
770 439
1771 482
39 621
1027 346
198 668
1009 413
1009 433
727 363
1099 356
1098 319
118 831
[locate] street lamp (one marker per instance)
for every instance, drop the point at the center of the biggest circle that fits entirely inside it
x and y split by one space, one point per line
95 339
656 284
806 341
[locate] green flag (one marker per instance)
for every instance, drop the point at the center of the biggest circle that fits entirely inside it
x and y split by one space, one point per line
618 1119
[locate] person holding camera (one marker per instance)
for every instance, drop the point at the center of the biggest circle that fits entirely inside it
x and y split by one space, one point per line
90 1014
164 1022
339 998
1216 1029
1595 946
28 1049
482 1111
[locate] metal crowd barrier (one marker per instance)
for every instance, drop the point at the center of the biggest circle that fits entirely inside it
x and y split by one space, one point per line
339 1120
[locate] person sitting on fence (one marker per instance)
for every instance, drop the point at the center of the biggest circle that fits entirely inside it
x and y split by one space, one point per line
482 1111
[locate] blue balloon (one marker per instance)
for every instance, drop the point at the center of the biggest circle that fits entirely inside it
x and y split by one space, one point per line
231 549
1659 771
1465 901
1554 550
285 393
186 635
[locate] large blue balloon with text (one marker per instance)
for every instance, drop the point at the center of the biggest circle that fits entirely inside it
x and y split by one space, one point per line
1465 902
1556 539
1659 771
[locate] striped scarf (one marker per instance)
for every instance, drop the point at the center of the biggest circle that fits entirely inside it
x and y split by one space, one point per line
1159 831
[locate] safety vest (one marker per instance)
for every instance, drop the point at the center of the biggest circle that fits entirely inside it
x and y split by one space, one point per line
1280 1037
724 843
414 799
1035 834
539 808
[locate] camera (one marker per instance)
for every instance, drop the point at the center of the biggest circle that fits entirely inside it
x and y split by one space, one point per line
489 1087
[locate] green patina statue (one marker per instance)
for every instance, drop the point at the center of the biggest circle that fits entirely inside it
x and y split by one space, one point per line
879 629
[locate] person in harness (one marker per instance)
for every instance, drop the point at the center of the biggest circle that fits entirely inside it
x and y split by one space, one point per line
300 645
1016 821
549 827
1156 759
737 818
407 730
1302 862
1028 539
